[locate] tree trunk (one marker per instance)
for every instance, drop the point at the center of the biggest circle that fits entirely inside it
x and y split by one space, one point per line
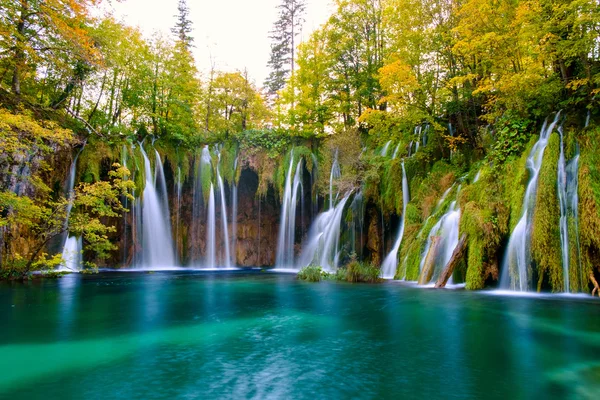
457 255
19 50
429 264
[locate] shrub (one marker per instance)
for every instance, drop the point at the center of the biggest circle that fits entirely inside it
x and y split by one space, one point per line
312 273
357 271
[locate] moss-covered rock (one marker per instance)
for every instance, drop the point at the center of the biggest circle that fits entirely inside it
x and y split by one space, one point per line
545 237
589 205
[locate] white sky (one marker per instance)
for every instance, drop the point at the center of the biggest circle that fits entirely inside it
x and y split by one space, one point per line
235 32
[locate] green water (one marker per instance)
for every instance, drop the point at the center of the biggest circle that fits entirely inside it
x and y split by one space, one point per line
262 335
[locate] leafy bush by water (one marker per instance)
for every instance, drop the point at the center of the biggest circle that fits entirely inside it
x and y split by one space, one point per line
312 273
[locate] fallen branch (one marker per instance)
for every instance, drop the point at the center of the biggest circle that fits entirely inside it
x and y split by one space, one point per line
596 286
89 127
429 264
457 255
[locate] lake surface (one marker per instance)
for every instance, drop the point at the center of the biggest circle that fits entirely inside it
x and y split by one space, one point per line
267 335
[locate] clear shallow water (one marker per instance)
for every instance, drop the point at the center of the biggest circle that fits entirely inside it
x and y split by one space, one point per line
265 335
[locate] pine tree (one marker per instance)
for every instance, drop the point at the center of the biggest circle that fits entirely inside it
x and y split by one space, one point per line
283 35
183 26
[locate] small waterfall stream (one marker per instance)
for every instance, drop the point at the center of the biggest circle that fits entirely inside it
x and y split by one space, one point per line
322 244
446 230
568 185
234 215
211 234
561 184
157 242
287 224
517 258
73 246
573 209
385 148
227 256
390 263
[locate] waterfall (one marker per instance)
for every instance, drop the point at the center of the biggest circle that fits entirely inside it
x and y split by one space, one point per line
447 229
72 246
561 184
568 185
477 176
227 261
396 151
425 135
71 254
211 259
177 212
322 245
573 207
517 258
234 215
358 221
587 119
287 225
335 174
418 131
385 148
157 242
390 263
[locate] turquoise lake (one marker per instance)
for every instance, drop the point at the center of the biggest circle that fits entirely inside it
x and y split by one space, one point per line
266 335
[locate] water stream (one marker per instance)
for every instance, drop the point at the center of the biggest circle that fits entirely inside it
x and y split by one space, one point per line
515 271
390 263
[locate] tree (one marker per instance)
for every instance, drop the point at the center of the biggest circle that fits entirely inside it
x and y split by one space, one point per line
283 35
48 33
40 215
237 104
183 26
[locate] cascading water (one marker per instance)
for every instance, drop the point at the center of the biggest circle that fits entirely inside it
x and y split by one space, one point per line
447 230
322 245
390 263
418 131
573 208
178 185
358 222
334 174
157 242
561 184
227 261
568 185
234 215
72 247
385 148
517 258
211 234
396 151
287 225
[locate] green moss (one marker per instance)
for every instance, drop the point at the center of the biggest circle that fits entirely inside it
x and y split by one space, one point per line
475 267
516 177
545 238
391 188
485 222
90 160
589 204
206 179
